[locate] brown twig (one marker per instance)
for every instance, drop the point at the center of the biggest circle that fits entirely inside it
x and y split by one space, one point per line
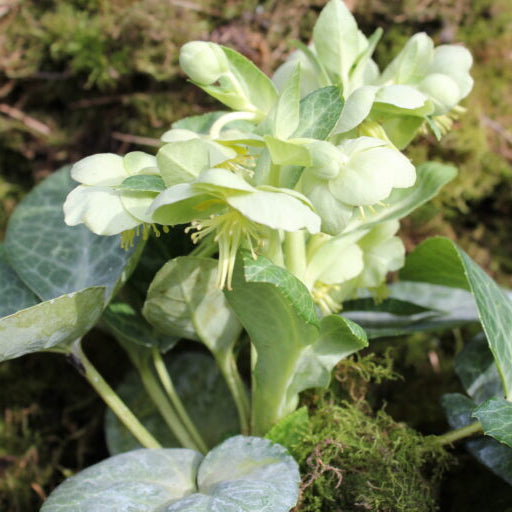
497 127
135 139
28 121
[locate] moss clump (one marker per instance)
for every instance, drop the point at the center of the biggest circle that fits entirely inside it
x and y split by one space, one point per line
354 460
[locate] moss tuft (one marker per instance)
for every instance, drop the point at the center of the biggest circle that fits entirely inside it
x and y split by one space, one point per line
354 460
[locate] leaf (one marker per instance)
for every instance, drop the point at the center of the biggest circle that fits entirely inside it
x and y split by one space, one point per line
246 474
294 351
413 307
50 325
15 295
144 183
319 113
476 369
496 456
201 388
183 300
255 89
139 480
430 261
286 111
125 323
430 178
52 258
243 474
338 338
495 415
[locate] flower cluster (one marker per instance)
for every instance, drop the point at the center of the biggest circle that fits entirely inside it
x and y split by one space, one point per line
299 169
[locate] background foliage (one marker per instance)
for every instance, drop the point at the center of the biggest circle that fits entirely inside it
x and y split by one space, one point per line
84 76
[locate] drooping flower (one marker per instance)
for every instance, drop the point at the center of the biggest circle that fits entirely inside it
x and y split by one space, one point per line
358 173
108 201
222 204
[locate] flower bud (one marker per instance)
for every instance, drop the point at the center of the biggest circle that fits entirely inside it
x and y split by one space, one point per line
203 62
326 160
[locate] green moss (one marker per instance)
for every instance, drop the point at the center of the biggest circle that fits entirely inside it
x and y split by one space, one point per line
355 460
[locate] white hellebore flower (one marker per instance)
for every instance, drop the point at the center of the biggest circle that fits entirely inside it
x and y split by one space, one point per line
104 201
223 204
360 172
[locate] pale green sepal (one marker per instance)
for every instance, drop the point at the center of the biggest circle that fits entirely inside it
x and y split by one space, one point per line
103 169
336 39
290 152
137 161
277 210
404 97
51 325
182 162
100 209
204 62
285 114
430 178
181 204
222 182
356 109
310 73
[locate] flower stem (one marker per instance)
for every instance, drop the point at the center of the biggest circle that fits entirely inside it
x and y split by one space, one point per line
111 398
228 118
460 433
229 370
168 413
169 388
295 253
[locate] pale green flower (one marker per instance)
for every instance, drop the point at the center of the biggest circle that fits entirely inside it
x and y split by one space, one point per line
337 267
105 204
358 173
223 204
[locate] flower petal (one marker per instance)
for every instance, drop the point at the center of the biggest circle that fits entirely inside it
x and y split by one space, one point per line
103 169
99 208
181 204
276 210
137 203
137 161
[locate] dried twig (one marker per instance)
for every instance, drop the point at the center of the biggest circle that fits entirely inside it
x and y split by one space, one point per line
135 139
497 127
28 121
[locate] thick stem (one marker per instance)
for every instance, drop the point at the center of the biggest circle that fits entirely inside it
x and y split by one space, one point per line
173 396
460 433
110 397
295 253
168 413
229 370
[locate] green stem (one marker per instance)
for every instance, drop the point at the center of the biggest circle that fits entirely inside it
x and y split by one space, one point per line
295 253
228 118
110 397
460 433
169 388
229 370
168 413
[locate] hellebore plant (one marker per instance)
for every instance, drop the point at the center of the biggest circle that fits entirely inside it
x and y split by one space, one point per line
298 191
